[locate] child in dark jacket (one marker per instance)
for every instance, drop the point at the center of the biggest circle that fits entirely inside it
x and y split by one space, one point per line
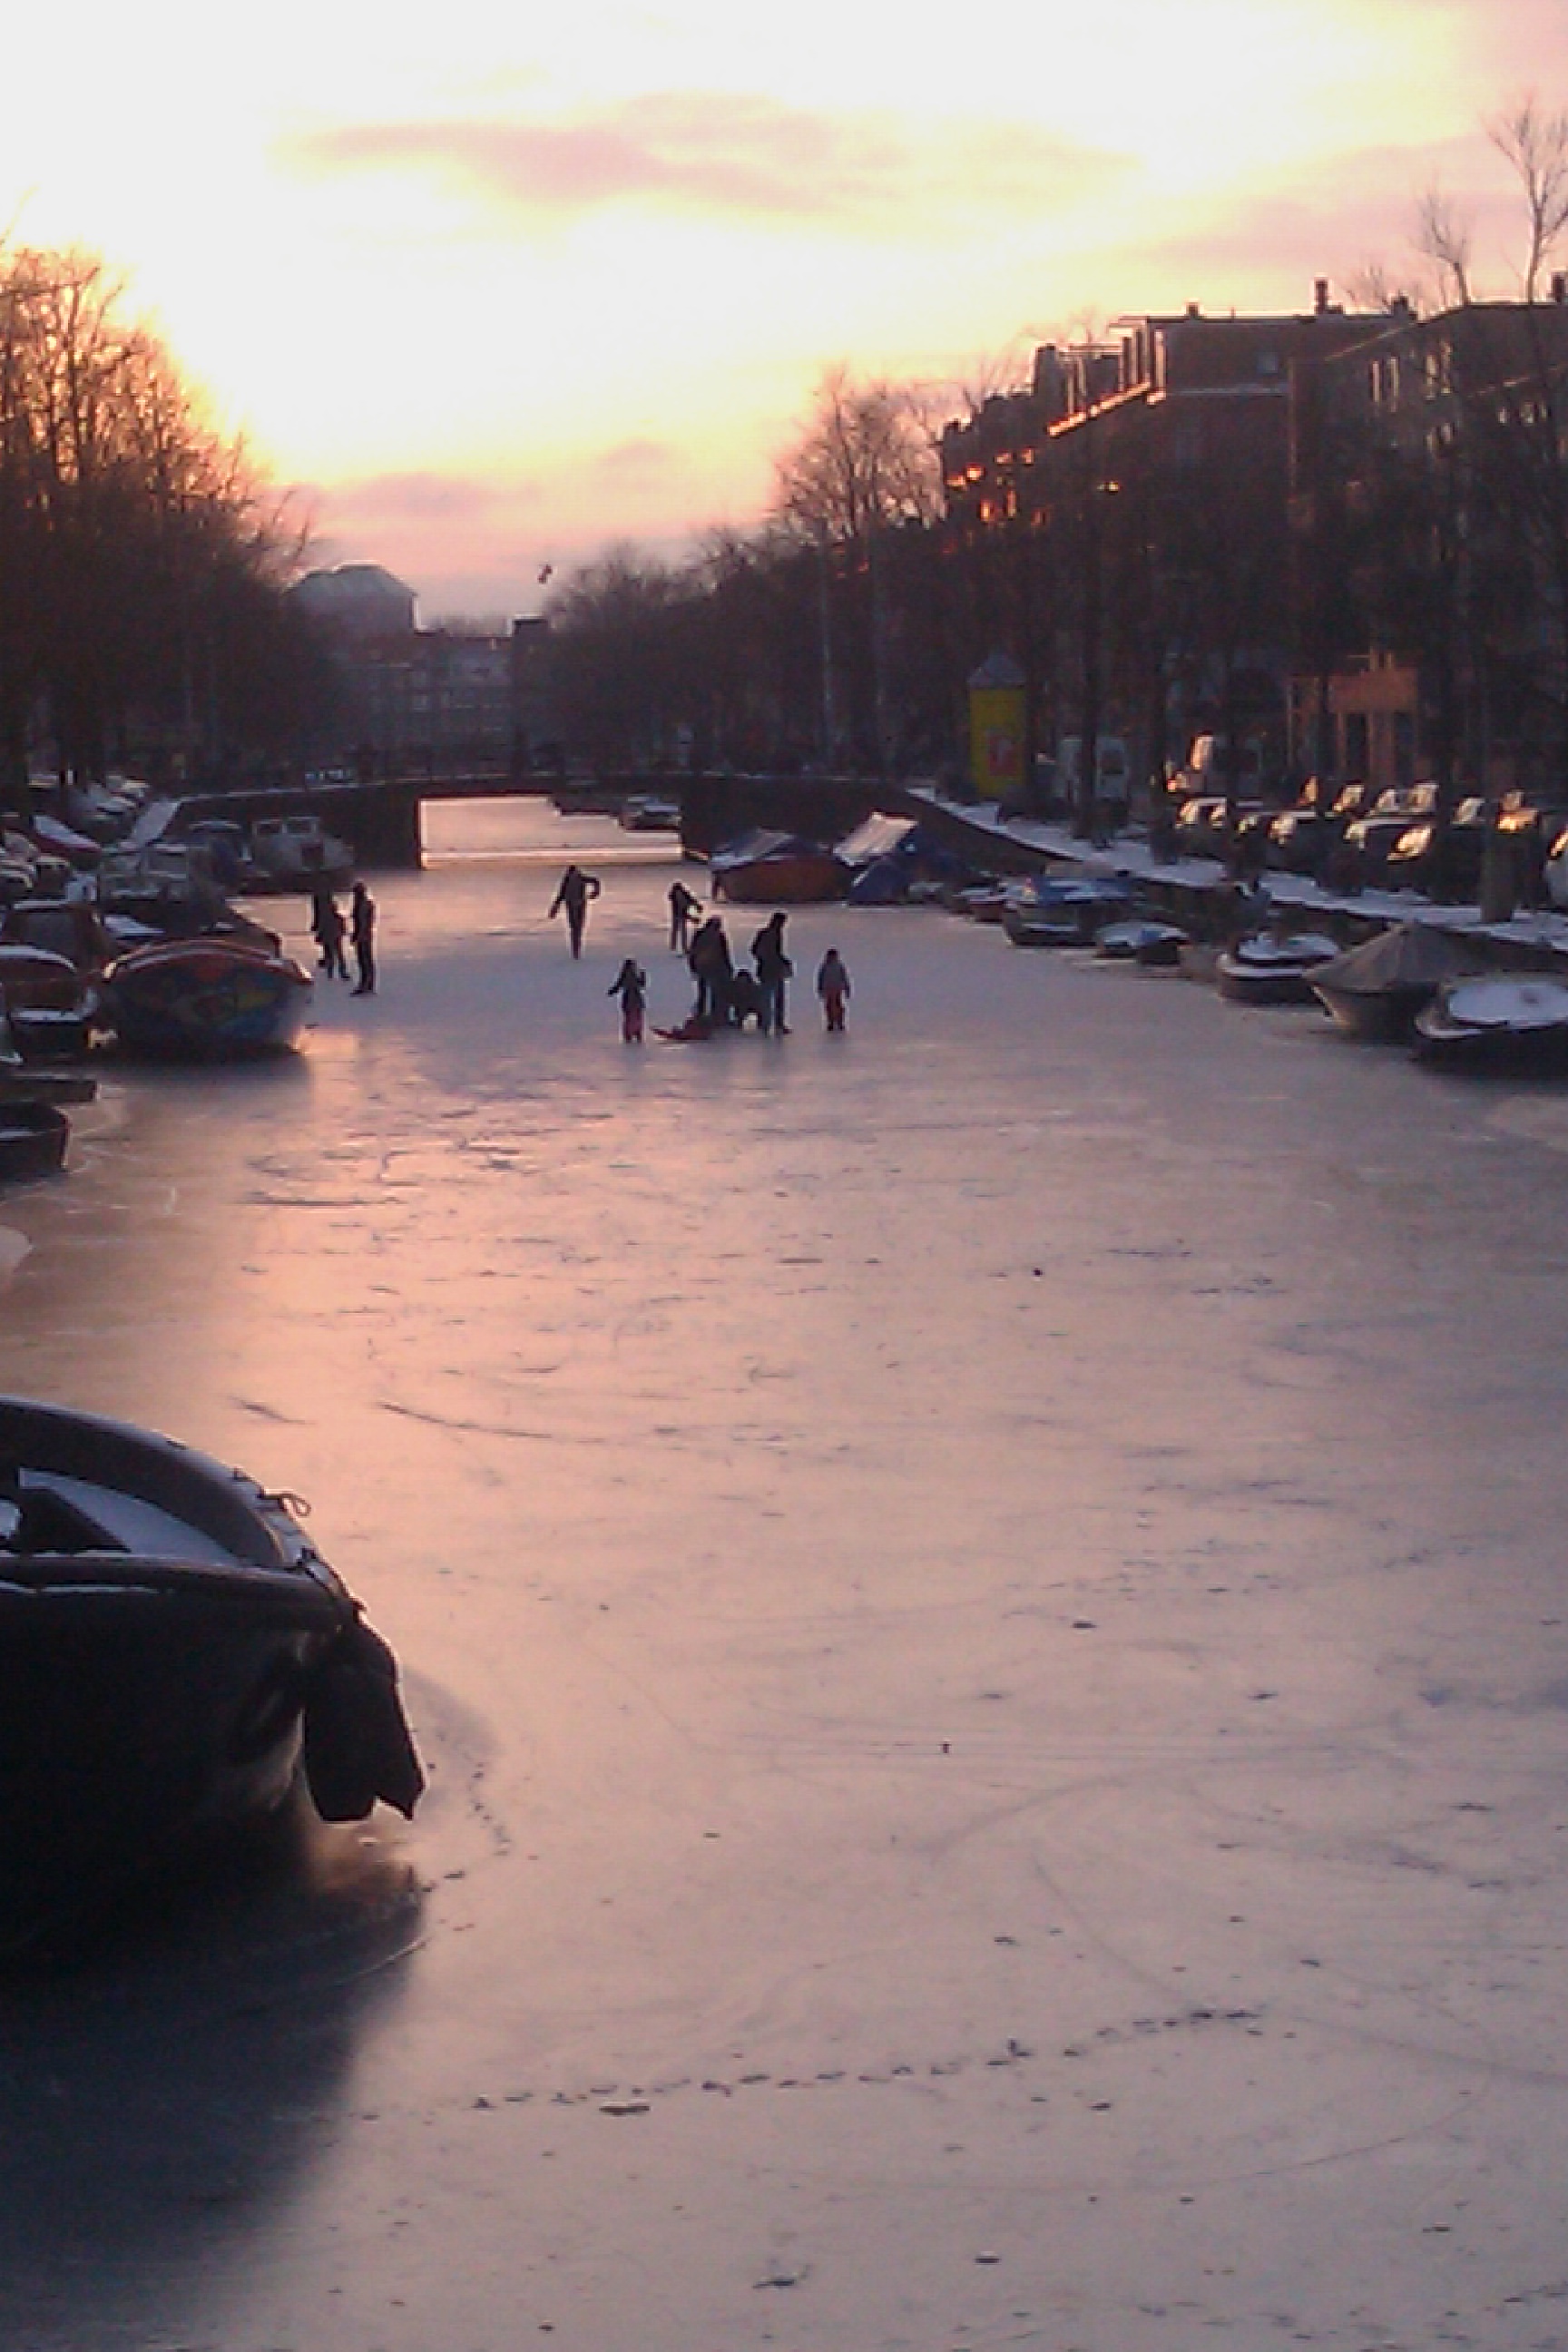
630 985
833 987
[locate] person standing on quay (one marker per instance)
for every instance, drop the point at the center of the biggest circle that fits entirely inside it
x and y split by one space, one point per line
362 931
576 889
630 985
833 987
774 968
684 910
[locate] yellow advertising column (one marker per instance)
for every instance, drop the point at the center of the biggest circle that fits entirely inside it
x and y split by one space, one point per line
996 729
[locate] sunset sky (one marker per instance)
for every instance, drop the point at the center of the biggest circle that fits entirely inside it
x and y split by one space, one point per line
494 285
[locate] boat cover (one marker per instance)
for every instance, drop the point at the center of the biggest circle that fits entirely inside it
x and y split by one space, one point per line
1407 955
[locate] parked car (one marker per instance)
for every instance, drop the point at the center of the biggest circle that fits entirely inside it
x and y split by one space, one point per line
1369 839
1529 830
1200 825
1444 866
1300 838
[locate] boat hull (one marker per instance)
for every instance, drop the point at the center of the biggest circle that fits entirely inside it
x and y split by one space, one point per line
793 881
33 1139
168 1639
1381 1017
1511 1027
1270 974
206 1000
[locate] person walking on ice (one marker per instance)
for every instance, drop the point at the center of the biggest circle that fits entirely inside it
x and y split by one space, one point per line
630 985
833 987
362 931
684 910
576 889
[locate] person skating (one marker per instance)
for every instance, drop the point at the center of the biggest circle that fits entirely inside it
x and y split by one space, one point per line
684 908
362 931
630 985
576 889
774 968
833 987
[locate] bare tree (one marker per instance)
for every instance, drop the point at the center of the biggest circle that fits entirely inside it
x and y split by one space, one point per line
1445 237
864 460
1534 140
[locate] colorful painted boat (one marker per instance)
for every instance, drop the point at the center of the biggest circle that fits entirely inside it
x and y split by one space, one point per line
780 869
206 1000
173 1651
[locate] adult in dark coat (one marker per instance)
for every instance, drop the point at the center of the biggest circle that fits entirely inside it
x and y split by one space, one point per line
362 931
773 968
712 968
576 889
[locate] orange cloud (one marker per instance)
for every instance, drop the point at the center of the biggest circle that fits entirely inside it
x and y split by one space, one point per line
750 155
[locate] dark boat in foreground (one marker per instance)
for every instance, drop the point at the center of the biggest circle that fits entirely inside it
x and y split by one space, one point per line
206 1000
172 1648
1502 1024
1376 990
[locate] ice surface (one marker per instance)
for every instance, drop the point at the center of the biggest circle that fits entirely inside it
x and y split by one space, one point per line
985 1603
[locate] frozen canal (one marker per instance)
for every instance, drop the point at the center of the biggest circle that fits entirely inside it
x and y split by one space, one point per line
986 1605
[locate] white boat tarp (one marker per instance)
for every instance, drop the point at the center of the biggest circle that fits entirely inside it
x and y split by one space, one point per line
877 838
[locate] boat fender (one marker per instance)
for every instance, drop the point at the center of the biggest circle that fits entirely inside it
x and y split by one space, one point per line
357 1743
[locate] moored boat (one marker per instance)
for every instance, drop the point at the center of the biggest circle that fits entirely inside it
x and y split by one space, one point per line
206 1000
33 1139
1375 990
1062 911
1267 969
172 1650
1137 942
48 1003
776 869
1503 1023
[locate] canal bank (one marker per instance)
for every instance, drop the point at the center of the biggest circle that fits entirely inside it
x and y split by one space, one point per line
1199 894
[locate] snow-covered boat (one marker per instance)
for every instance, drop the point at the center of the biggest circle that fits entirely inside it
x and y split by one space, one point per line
1376 990
1503 1023
206 1000
1268 969
1139 941
172 1649
1063 911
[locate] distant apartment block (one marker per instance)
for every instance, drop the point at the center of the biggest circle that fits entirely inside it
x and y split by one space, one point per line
413 698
